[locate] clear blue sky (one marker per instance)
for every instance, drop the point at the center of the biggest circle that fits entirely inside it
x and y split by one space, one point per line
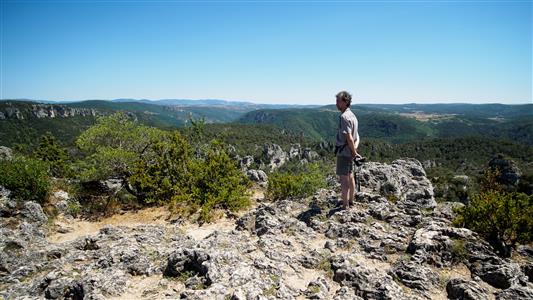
268 52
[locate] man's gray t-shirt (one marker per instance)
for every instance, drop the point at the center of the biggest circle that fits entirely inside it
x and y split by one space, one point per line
347 124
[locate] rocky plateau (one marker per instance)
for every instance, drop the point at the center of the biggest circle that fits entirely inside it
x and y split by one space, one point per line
396 242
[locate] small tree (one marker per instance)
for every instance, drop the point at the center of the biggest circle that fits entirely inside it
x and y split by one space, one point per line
502 218
300 182
114 145
26 178
158 166
50 151
166 174
217 182
195 131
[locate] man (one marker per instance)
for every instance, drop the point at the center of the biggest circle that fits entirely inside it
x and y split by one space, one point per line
346 148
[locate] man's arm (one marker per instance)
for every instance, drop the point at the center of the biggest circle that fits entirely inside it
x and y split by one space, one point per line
351 144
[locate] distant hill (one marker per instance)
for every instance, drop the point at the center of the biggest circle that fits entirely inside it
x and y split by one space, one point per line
461 109
322 123
25 121
412 123
215 103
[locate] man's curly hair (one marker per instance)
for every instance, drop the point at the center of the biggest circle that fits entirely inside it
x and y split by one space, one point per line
345 96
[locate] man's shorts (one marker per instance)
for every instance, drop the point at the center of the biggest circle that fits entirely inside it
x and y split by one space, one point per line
344 165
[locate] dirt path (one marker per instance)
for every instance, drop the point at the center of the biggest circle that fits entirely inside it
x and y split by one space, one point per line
68 230
76 228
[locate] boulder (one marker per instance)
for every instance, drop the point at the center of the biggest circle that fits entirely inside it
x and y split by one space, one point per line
317 289
258 176
295 152
509 173
460 289
516 292
187 260
33 212
246 162
402 181
415 276
275 156
495 271
439 244
367 283
7 206
6 153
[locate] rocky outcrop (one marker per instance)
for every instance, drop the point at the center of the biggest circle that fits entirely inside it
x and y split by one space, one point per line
275 156
495 271
460 289
257 176
33 212
509 173
13 113
366 281
5 153
246 162
382 248
40 111
404 180
516 292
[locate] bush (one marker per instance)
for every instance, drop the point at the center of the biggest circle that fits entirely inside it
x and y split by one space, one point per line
159 166
216 182
503 219
114 145
26 178
166 174
191 183
302 183
50 151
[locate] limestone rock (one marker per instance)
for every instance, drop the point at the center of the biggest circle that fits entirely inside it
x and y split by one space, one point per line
34 212
495 271
275 156
367 283
509 173
317 289
415 276
516 292
295 152
6 153
460 289
258 176
404 180
246 162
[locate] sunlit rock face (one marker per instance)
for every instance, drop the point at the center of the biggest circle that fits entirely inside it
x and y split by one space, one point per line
394 243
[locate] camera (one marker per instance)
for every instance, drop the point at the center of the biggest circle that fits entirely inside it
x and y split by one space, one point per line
358 161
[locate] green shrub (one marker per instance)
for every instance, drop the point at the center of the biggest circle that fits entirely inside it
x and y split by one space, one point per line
160 167
503 219
216 182
26 178
458 250
302 183
50 151
166 174
114 145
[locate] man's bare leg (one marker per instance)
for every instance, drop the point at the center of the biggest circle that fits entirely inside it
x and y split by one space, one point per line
345 190
351 188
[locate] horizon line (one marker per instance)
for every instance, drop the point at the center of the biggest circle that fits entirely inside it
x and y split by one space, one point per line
259 103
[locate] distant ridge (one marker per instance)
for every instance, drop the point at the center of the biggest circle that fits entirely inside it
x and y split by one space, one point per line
181 102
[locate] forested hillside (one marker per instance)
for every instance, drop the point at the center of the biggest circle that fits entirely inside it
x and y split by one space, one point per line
515 123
